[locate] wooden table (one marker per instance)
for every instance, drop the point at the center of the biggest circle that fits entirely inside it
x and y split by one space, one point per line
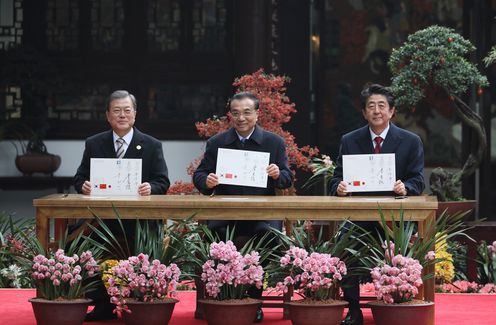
73 206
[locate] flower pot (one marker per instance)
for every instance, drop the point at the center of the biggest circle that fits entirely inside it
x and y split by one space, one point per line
302 313
150 313
416 312
30 163
453 207
59 312
233 312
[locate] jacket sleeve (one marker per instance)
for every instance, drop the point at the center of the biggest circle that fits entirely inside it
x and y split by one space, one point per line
338 172
83 171
207 166
414 181
159 178
285 179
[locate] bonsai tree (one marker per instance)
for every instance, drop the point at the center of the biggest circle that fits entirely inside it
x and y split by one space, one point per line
434 60
275 110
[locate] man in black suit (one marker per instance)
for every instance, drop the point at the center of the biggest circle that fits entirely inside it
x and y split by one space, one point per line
123 141
121 115
244 135
379 136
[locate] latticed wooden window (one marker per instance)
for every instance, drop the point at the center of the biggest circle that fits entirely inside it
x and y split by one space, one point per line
172 55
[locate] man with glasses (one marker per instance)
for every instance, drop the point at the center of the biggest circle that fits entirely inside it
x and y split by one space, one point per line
123 140
244 135
379 136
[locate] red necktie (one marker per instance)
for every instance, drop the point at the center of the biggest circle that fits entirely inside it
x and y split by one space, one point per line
378 141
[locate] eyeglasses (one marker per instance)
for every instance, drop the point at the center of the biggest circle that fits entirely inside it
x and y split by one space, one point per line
118 111
381 108
236 114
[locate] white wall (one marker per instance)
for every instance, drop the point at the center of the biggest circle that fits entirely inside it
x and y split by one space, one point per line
178 155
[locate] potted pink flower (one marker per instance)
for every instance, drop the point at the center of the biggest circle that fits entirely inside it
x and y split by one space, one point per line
143 290
399 260
62 279
316 277
228 274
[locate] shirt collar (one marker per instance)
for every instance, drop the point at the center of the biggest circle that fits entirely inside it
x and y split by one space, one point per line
128 137
382 135
247 137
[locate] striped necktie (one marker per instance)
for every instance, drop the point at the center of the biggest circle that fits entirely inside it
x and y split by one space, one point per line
378 141
119 153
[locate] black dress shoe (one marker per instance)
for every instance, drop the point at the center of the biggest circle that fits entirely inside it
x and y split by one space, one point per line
259 316
354 317
98 314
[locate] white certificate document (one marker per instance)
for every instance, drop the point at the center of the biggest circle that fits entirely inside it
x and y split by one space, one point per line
242 167
369 173
113 177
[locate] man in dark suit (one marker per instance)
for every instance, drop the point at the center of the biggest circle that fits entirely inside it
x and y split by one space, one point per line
244 135
122 141
121 115
379 136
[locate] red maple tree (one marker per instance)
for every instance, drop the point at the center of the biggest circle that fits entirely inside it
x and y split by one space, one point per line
274 111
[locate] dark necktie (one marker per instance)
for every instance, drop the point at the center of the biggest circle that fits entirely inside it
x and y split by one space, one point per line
119 153
378 141
243 142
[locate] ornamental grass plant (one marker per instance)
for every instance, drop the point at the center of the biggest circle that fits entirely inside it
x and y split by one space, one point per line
15 247
168 243
486 263
228 273
64 273
313 265
398 256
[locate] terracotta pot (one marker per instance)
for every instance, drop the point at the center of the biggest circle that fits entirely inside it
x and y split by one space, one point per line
316 314
240 312
453 207
63 312
421 313
150 313
30 163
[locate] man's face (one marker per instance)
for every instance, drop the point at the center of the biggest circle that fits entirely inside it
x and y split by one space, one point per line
244 115
378 113
121 115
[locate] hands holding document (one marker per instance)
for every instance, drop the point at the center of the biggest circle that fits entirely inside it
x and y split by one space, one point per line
272 170
144 189
399 188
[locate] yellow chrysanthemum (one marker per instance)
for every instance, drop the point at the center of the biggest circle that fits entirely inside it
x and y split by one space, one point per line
106 267
444 271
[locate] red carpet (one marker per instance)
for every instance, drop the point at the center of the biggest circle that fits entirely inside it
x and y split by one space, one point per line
451 309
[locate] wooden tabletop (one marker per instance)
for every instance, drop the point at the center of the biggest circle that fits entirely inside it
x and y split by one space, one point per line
236 207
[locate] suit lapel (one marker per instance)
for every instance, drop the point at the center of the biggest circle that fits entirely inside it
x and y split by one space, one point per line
107 145
364 141
392 140
135 148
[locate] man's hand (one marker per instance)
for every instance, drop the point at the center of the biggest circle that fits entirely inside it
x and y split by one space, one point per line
399 188
145 189
273 171
212 180
342 189
86 188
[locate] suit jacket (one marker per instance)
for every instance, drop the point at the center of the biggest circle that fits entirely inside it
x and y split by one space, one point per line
260 140
149 149
408 150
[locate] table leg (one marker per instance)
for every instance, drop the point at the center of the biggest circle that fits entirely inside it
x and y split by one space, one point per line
429 284
42 228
